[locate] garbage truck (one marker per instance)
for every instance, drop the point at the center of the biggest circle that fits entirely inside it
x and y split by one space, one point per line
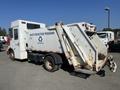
77 43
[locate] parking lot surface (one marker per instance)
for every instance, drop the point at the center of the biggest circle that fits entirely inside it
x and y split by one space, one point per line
16 75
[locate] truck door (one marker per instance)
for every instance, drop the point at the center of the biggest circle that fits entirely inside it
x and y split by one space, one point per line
15 42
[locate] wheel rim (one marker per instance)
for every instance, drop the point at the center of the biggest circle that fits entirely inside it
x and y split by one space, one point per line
48 65
11 55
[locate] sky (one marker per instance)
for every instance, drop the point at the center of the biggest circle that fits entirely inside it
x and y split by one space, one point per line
67 11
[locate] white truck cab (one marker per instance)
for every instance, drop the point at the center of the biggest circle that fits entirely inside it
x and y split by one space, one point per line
77 43
19 36
106 37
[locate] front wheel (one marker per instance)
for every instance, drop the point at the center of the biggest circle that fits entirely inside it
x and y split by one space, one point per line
11 55
49 64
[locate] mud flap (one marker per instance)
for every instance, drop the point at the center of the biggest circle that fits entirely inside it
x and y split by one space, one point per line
111 64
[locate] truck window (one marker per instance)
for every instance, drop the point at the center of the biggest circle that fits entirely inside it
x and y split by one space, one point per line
102 35
118 34
15 34
10 32
32 26
110 35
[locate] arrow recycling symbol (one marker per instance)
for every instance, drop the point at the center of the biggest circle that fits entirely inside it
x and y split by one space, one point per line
40 39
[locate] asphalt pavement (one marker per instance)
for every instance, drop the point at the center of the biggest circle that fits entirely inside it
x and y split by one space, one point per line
16 75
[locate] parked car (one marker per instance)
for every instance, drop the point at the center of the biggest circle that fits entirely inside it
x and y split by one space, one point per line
2 39
1 45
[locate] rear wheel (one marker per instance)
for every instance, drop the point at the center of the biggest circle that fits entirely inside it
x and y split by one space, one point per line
49 64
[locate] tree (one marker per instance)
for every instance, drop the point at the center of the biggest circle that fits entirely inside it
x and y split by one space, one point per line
2 32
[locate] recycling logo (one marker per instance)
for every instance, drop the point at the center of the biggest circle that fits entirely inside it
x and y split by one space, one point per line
40 39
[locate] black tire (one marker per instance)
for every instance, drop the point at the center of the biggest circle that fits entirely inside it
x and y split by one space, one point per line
12 55
49 64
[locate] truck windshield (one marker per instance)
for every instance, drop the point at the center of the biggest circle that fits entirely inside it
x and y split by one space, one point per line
102 35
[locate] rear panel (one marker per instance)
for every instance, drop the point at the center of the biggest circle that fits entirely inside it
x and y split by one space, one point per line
83 44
